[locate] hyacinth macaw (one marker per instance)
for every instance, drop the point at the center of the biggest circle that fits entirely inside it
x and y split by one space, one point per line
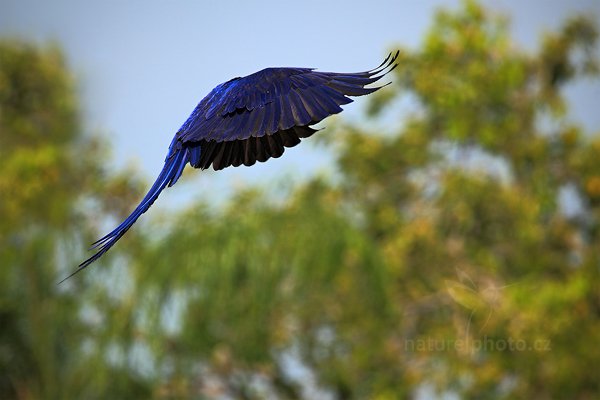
250 119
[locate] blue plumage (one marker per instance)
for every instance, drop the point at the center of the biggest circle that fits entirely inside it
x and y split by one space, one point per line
250 119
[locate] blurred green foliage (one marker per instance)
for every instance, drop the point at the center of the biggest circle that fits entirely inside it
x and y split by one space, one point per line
459 251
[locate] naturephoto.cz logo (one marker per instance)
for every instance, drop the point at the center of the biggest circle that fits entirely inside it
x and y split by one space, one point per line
485 344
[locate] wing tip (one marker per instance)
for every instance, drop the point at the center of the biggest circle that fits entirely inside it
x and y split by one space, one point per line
385 62
388 64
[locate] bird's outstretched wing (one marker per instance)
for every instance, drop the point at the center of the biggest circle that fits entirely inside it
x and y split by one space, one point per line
250 119
254 118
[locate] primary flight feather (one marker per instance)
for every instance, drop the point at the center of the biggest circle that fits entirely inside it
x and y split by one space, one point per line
250 119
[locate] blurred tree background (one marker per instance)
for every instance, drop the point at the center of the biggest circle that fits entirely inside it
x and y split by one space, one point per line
456 253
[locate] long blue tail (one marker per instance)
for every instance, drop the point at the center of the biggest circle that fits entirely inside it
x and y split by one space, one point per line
174 165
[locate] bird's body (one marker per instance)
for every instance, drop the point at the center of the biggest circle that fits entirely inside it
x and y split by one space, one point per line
251 119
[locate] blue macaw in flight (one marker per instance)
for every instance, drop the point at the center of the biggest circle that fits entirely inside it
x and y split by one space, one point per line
250 119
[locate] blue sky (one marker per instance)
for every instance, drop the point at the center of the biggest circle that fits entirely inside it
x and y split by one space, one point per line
142 66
